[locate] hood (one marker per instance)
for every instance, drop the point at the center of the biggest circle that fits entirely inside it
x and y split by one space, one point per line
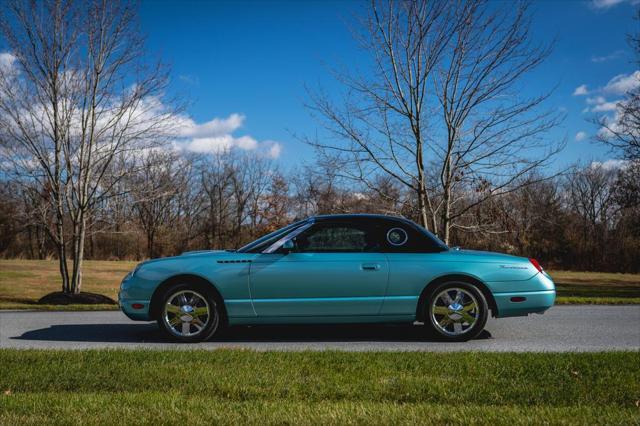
196 252
185 254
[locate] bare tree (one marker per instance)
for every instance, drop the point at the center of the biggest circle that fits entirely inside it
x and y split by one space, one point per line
33 117
215 180
317 189
622 130
78 97
533 216
155 188
591 194
275 207
440 111
249 181
191 205
382 126
493 135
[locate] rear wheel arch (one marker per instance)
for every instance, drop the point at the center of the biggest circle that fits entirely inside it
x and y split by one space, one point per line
196 281
428 290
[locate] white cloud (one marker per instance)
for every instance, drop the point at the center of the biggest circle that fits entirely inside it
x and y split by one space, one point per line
214 145
273 149
622 83
580 136
187 127
604 107
617 123
614 55
6 60
216 136
213 136
606 4
619 85
581 90
612 164
595 100
600 104
246 142
359 196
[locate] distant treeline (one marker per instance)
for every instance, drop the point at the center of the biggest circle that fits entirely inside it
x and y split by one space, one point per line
585 219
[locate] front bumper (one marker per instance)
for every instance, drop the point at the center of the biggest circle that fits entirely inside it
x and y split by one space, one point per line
136 314
538 295
135 308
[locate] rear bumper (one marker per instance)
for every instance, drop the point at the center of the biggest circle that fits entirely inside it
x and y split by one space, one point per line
535 302
539 296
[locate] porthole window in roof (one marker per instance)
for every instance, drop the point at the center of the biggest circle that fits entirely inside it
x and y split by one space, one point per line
397 236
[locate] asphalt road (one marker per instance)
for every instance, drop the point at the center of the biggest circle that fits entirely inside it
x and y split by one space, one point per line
561 329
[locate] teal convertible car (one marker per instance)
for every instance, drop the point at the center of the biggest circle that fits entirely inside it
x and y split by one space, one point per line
336 269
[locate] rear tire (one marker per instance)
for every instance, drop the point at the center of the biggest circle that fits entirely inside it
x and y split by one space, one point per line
456 311
189 313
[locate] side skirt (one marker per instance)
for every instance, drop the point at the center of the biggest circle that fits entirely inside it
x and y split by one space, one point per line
354 319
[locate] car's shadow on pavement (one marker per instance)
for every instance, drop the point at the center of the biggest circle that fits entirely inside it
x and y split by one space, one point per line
149 333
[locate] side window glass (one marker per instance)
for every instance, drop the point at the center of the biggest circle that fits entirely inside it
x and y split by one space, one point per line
337 238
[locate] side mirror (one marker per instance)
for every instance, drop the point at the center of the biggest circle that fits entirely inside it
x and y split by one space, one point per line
288 246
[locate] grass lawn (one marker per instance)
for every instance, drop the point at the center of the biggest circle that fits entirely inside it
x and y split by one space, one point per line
23 282
596 287
239 386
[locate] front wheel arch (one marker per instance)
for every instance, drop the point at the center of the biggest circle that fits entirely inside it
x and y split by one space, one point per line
428 290
195 280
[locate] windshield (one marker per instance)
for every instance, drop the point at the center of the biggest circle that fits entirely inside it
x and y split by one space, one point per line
270 238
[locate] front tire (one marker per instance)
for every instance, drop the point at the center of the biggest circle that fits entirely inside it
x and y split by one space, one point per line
456 311
189 313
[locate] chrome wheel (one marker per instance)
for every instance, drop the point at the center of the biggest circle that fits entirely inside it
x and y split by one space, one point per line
187 313
454 311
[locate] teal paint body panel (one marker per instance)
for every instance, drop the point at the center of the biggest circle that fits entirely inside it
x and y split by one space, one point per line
349 287
318 284
231 280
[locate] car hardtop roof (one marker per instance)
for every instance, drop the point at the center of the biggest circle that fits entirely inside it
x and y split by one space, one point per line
359 216
371 216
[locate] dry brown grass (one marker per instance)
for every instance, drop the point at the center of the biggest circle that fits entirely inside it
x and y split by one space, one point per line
26 281
596 287
590 278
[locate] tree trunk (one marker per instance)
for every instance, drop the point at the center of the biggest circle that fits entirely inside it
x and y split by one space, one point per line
30 237
61 249
423 197
41 237
422 209
446 211
64 271
151 244
78 254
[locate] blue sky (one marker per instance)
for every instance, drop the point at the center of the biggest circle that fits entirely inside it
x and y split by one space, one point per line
253 59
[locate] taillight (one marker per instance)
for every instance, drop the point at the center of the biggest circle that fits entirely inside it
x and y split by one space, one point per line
535 264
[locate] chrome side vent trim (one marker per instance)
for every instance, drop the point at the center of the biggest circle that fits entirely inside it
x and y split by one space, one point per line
235 261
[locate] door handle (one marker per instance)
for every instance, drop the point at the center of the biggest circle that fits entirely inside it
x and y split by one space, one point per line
370 266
